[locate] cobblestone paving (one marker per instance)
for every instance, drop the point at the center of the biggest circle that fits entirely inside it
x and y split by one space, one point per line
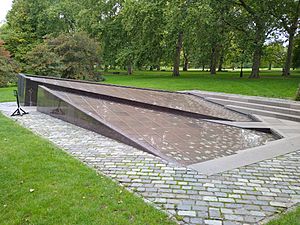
242 196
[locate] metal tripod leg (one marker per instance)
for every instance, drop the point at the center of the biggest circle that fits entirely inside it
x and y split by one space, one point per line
19 111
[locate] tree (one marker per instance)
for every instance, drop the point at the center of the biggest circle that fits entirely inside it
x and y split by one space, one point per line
274 53
288 13
175 14
250 18
144 23
76 56
185 32
30 20
8 67
42 61
296 53
239 52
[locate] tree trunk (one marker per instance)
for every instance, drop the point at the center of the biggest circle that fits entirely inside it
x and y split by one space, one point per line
270 66
214 59
129 69
242 67
256 63
288 61
177 55
203 67
221 62
291 31
105 68
258 45
186 62
158 67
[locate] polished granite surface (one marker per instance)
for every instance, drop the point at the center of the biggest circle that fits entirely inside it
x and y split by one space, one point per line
171 100
182 139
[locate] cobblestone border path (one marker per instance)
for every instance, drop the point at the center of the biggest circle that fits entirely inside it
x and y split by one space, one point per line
247 195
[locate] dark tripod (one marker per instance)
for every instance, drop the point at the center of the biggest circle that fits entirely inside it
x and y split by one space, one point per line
19 111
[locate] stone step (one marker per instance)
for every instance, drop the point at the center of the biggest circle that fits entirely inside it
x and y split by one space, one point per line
270 108
263 112
251 99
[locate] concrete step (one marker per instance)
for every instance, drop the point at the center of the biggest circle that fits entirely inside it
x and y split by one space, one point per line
263 112
283 110
251 99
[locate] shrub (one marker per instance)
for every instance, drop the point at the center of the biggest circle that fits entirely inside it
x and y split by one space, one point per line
40 60
72 56
8 68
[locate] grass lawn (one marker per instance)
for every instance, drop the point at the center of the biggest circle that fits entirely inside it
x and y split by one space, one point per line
6 94
64 191
291 218
271 83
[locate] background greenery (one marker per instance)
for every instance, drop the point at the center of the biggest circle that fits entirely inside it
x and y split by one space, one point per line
153 33
6 94
271 84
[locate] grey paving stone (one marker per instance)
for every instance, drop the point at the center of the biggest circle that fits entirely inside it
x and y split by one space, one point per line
214 213
213 222
197 220
187 213
234 217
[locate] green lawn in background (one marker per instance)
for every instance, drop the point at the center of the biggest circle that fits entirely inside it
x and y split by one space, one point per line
6 94
64 191
271 83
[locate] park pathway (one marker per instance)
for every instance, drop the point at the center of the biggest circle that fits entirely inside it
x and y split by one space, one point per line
247 195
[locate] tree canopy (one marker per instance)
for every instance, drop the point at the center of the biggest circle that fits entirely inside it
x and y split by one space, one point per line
153 33
72 56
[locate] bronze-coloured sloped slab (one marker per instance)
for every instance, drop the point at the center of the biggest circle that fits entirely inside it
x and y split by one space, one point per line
50 103
173 137
171 100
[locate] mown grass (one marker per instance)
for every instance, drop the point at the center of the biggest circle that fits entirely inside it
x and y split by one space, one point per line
64 191
6 94
291 218
271 83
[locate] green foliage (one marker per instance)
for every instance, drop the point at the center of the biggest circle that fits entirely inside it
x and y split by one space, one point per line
274 54
297 98
40 60
73 56
8 67
8 75
296 53
30 20
143 33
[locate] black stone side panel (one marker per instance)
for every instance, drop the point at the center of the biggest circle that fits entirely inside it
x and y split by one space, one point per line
27 90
